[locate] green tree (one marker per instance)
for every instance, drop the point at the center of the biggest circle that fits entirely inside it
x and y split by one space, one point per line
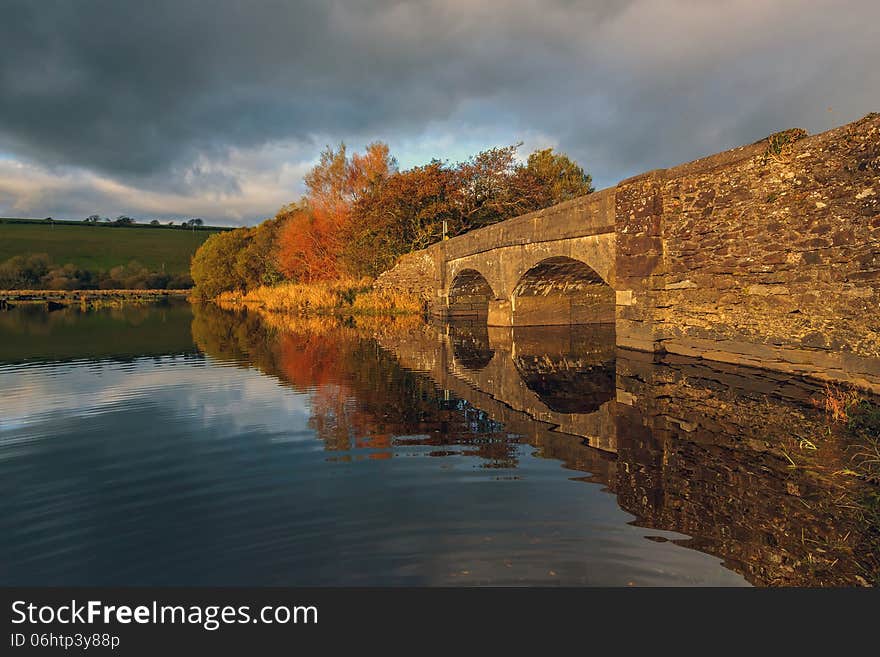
214 265
560 178
257 262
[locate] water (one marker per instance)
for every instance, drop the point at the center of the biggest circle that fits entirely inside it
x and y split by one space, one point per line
189 446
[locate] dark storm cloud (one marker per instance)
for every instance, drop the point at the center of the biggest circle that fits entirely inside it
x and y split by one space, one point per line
155 95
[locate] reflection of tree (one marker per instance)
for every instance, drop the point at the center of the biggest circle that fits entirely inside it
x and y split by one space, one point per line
360 397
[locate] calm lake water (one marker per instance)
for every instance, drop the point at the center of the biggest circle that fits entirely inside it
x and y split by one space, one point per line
176 445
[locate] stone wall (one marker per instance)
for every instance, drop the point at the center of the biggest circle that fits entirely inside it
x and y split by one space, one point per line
765 255
414 273
592 214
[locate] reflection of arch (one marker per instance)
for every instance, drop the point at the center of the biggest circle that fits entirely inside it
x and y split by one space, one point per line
562 290
469 295
567 387
570 368
470 344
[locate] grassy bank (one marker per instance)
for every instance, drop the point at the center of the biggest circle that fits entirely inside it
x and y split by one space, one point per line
340 297
101 248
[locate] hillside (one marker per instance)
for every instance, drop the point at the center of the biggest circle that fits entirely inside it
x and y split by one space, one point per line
103 247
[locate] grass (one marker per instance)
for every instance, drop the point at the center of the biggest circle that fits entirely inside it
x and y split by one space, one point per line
837 402
860 417
100 248
360 325
779 144
351 297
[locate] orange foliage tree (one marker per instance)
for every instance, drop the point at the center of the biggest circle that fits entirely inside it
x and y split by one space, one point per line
404 213
311 240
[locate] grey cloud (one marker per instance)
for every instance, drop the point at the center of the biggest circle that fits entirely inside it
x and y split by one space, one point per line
145 92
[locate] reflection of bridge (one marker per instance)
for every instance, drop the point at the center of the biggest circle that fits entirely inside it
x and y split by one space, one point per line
767 255
684 445
541 384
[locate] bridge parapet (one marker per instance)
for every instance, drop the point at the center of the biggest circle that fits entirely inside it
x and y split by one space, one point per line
593 214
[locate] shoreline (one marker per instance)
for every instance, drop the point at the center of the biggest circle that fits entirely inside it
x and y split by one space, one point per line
87 298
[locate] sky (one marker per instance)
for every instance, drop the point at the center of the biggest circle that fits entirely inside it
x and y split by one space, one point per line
169 109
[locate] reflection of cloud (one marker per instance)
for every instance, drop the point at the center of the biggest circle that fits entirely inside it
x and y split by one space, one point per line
239 398
116 113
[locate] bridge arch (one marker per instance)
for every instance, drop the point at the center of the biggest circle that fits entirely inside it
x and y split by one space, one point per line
469 295
561 290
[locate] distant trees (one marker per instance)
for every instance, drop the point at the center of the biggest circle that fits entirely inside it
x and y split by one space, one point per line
24 272
125 220
360 212
37 271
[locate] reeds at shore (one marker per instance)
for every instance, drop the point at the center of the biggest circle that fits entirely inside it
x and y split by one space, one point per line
352 297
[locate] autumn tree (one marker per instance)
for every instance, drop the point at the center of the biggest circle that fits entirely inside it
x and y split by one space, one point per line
493 186
359 213
310 243
404 213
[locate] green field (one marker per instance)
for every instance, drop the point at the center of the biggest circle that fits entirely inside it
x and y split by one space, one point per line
102 247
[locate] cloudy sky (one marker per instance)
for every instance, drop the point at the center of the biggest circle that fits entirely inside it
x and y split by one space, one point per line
216 109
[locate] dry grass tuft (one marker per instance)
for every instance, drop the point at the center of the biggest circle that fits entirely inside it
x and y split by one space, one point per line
837 402
354 297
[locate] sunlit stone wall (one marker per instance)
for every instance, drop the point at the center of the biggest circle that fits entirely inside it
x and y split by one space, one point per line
765 255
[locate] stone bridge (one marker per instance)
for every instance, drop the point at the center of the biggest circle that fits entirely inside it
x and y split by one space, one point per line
766 255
